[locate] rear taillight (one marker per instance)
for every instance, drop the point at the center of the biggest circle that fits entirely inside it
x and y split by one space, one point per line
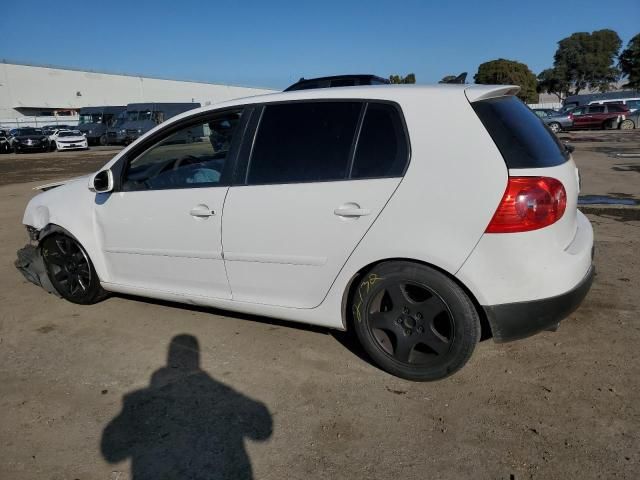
529 203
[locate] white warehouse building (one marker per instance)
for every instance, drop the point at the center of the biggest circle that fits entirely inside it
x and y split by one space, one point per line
28 92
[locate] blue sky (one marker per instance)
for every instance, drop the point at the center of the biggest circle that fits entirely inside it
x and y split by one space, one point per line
272 44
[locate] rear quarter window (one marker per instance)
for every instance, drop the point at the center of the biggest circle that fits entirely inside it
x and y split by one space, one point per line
523 140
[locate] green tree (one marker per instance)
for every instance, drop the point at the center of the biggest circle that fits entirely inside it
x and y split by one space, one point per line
447 79
410 78
586 60
629 62
509 72
549 82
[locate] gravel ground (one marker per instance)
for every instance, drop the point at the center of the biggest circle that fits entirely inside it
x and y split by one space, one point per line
89 392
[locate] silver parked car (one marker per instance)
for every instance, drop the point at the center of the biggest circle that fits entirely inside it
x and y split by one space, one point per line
555 120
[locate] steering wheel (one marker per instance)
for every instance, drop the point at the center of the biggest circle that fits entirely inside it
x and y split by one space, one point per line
186 160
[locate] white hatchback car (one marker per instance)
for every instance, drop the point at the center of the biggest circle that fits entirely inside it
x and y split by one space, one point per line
347 207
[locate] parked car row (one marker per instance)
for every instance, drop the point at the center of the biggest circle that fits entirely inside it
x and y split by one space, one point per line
29 139
595 116
121 125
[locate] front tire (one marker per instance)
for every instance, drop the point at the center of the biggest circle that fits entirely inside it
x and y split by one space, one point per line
414 321
70 270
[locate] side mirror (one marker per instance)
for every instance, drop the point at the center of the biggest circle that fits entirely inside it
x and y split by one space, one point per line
101 182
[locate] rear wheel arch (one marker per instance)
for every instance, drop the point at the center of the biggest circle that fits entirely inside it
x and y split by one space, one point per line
354 282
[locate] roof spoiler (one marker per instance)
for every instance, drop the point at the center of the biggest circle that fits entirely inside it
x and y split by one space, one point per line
475 93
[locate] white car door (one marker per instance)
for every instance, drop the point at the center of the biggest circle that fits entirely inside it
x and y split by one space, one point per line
309 196
161 230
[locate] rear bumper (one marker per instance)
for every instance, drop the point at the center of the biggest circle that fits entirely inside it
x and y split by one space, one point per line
512 321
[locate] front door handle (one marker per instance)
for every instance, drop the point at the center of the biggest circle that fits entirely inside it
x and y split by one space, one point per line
201 211
350 210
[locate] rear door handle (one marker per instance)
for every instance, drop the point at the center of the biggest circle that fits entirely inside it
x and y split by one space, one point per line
201 211
350 210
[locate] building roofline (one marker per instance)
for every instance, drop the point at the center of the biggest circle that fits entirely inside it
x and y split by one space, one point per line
120 74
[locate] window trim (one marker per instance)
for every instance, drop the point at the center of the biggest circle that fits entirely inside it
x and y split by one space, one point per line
251 135
121 168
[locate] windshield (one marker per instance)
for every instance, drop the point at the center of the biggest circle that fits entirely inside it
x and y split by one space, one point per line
90 118
28 131
132 116
145 115
74 133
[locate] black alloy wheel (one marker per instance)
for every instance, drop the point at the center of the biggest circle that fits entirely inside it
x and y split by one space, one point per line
70 270
414 321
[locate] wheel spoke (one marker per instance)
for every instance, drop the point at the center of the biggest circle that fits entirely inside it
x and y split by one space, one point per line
404 346
62 245
431 307
61 275
81 283
73 284
398 296
436 342
56 259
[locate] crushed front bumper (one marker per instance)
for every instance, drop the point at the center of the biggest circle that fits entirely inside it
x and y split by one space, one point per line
31 265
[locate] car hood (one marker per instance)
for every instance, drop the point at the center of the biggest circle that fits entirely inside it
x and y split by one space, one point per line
49 186
54 204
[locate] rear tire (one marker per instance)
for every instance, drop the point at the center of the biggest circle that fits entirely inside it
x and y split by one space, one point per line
414 321
102 141
70 270
555 127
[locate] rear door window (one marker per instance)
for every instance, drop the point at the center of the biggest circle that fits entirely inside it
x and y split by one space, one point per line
523 140
304 142
382 149
616 107
596 109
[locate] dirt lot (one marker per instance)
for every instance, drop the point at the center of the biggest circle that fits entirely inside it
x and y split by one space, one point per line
18 168
287 401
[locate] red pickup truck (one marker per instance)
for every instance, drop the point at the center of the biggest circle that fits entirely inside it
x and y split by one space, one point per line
599 116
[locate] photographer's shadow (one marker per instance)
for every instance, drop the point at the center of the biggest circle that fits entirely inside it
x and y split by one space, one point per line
185 425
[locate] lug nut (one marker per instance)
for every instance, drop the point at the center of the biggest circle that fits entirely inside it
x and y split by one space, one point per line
399 320
419 316
420 330
407 332
406 311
